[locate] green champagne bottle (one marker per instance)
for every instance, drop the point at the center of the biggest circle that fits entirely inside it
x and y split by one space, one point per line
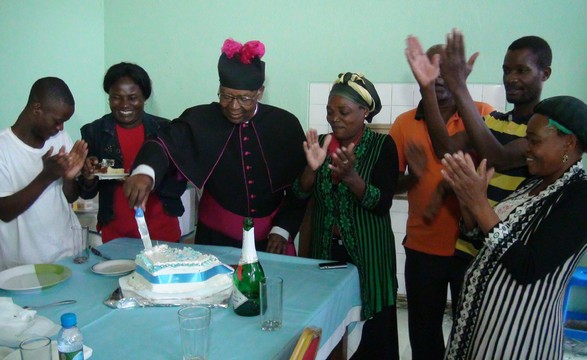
247 276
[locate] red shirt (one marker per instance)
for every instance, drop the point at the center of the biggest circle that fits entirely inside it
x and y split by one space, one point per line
161 226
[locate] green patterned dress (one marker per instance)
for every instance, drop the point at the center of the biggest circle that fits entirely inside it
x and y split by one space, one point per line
364 226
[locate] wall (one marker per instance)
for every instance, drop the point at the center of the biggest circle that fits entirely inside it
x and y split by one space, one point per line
396 98
63 38
311 40
179 42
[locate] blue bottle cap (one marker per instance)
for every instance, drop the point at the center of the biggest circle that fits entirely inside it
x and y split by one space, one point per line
68 320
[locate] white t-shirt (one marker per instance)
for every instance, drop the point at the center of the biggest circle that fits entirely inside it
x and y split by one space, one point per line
41 234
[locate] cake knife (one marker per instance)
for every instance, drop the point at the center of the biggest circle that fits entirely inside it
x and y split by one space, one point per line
143 230
99 253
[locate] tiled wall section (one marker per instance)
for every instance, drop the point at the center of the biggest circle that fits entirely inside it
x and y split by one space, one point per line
396 99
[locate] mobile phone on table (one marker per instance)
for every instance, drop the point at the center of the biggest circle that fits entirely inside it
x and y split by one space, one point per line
332 265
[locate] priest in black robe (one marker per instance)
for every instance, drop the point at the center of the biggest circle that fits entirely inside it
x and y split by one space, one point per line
243 154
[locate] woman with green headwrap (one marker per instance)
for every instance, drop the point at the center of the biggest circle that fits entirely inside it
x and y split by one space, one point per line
351 175
510 306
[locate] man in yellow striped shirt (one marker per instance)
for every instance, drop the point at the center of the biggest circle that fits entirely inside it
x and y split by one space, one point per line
499 137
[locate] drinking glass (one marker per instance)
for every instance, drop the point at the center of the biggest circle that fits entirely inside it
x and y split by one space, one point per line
81 248
194 329
271 293
36 348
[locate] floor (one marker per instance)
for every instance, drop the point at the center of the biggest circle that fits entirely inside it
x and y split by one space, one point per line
574 350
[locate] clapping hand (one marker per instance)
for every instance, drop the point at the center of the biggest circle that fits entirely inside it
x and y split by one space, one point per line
425 70
470 186
417 163
454 67
315 154
436 201
63 164
416 159
468 183
76 159
54 165
343 162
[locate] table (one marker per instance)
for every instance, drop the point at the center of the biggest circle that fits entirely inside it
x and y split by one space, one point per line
329 299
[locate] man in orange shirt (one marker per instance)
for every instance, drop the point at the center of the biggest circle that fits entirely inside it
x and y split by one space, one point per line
432 227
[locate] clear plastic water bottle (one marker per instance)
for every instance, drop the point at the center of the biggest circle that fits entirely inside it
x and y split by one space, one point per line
70 341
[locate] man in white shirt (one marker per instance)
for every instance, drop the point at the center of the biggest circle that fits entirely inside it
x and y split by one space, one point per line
37 166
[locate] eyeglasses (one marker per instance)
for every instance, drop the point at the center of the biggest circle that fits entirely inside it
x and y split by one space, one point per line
242 100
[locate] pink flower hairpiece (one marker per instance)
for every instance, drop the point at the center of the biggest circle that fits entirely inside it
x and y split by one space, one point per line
246 52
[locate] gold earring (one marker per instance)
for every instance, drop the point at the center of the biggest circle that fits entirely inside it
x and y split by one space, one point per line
565 158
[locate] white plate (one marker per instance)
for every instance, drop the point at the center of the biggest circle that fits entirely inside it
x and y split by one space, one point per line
112 176
114 267
15 355
33 277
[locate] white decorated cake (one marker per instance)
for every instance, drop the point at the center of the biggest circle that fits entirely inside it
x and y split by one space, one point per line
165 272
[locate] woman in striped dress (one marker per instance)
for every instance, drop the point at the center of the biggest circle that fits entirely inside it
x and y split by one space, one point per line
351 175
511 302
